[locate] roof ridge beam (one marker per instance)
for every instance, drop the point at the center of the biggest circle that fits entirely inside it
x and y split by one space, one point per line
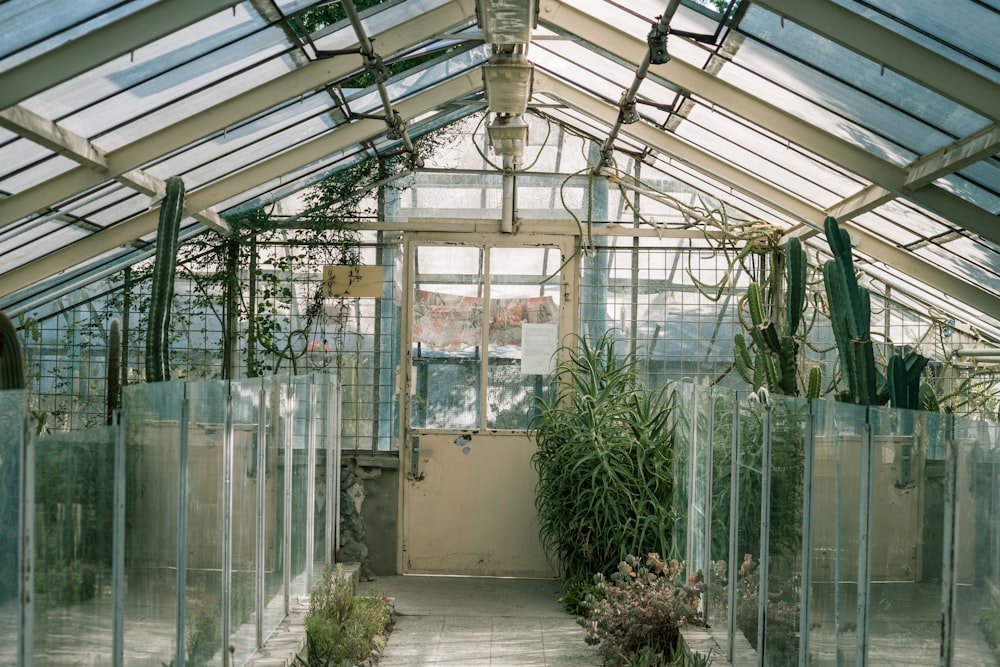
42 131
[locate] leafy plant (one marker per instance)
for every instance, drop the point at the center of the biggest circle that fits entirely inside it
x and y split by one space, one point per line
638 618
342 628
604 456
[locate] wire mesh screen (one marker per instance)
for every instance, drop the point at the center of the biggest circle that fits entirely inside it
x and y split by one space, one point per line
659 301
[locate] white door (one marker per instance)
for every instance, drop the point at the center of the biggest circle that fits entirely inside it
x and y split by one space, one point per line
468 497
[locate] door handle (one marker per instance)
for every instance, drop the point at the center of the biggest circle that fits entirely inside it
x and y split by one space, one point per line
415 450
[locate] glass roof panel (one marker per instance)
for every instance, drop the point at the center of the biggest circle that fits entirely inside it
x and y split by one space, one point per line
29 242
211 37
31 27
36 173
962 30
842 81
969 191
965 259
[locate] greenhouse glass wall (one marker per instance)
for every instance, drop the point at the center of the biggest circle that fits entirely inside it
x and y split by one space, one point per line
183 534
834 534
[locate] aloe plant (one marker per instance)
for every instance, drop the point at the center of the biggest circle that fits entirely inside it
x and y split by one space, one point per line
604 457
164 268
11 361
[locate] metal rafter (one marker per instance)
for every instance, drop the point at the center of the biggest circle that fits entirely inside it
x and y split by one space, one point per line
238 183
566 18
724 172
231 112
888 48
100 46
33 127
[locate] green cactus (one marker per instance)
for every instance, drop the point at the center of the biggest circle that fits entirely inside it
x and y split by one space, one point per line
850 317
114 366
775 361
11 362
164 268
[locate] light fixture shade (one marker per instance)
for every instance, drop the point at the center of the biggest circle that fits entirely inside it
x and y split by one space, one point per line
508 135
508 80
507 21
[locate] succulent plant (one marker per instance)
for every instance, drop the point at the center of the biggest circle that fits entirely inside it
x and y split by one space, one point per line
164 268
114 366
774 363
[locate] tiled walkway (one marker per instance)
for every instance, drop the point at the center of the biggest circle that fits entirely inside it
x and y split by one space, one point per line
475 622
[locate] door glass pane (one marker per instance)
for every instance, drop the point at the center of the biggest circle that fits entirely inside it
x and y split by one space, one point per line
524 317
447 337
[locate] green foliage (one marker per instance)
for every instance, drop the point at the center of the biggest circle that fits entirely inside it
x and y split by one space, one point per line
637 616
774 362
604 459
11 361
341 628
164 269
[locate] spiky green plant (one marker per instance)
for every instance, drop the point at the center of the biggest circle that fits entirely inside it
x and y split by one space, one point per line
604 460
114 370
164 269
11 360
774 362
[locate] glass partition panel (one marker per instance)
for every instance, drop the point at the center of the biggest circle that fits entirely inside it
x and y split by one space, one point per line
299 423
721 444
750 484
274 502
13 411
683 406
976 621
152 414
205 505
74 499
246 396
784 546
904 608
838 429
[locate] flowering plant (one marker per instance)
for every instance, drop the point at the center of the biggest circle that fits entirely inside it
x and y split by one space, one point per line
642 608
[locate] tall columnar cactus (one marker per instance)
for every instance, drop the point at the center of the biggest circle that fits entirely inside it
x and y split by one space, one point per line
11 361
114 366
775 363
164 267
850 316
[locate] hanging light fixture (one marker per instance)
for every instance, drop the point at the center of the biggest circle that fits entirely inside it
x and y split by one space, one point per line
508 134
507 21
508 80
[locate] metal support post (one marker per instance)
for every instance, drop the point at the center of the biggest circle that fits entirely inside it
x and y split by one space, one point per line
26 529
709 447
289 424
311 483
765 532
227 527
864 542
182 517
949 565
118 551
262 411
734 505
805 582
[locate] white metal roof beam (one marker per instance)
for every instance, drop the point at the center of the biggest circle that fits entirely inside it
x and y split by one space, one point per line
237 183
891 49
957 155
230 112
852 157
99 46
724 172
44 132
33 127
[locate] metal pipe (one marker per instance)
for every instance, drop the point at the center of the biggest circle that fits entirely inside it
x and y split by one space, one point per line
971 352
374 64
507 205
628 99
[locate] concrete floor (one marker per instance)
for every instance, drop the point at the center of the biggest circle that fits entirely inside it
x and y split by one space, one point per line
475 622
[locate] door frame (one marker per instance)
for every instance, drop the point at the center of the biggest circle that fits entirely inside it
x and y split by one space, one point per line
569 271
